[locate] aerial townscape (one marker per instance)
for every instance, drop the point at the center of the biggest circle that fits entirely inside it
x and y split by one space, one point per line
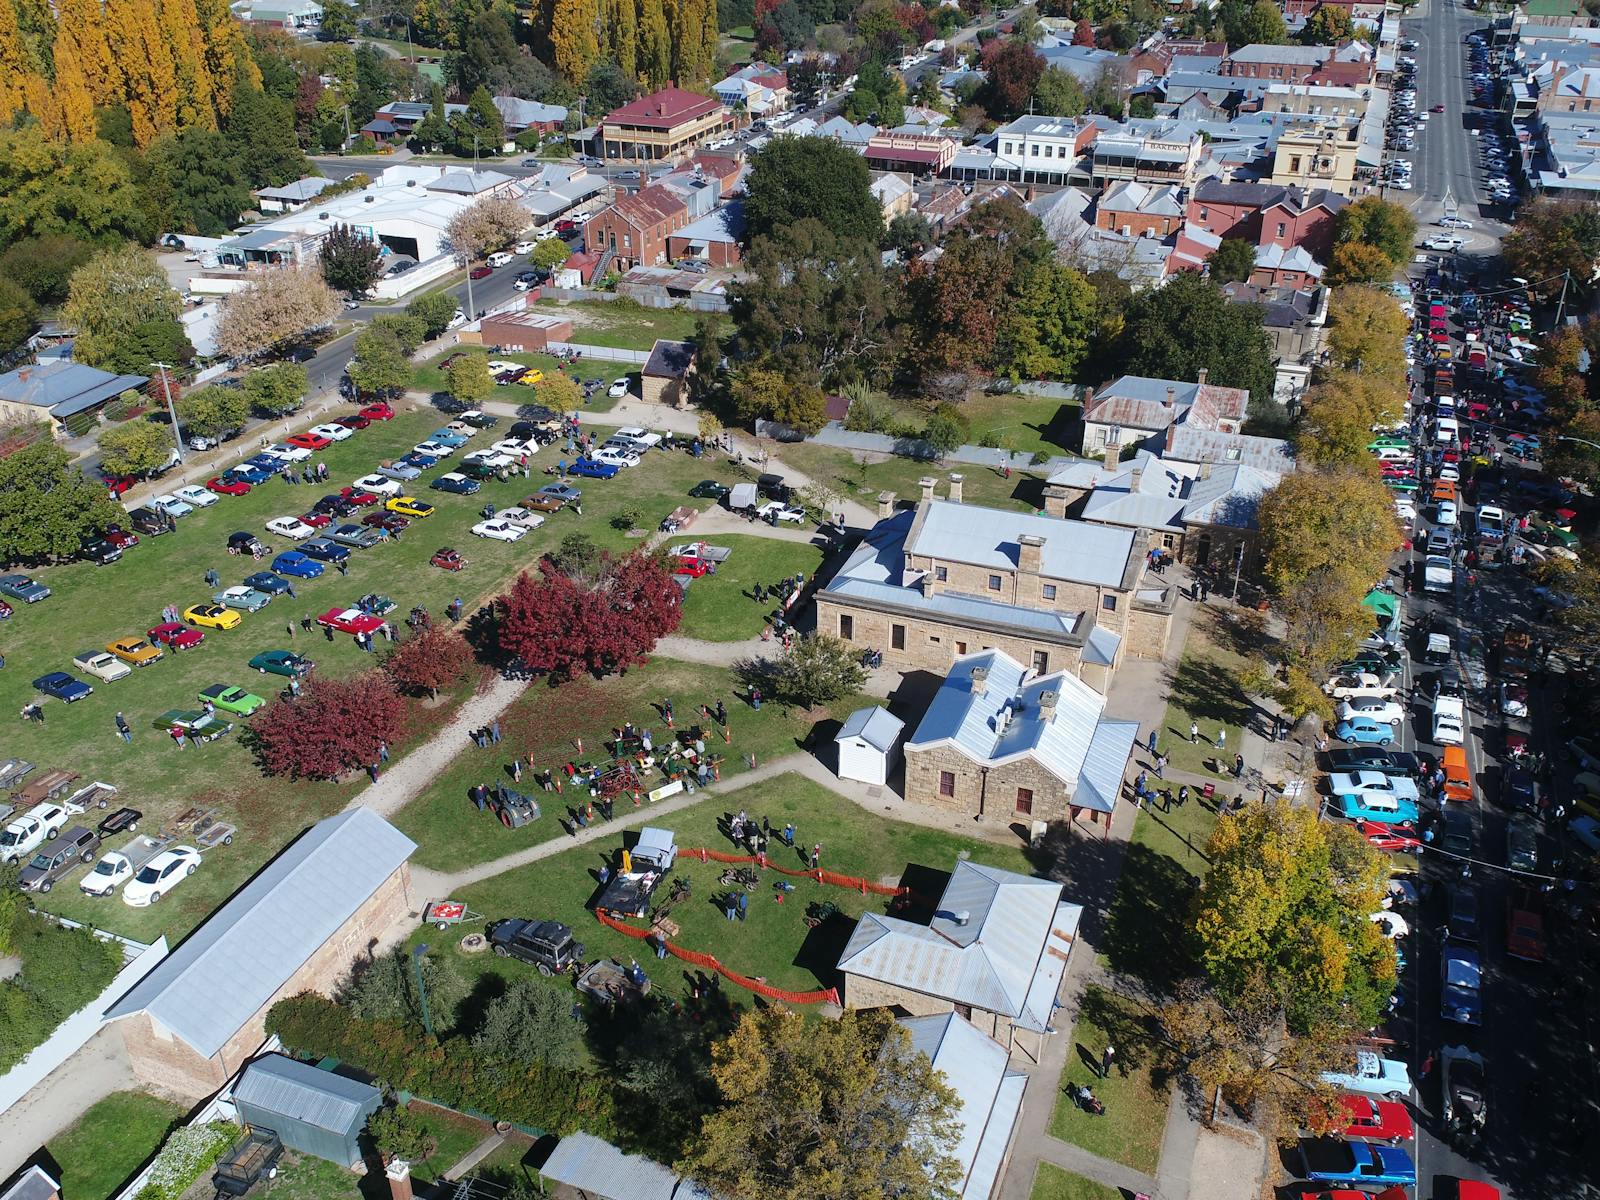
893 600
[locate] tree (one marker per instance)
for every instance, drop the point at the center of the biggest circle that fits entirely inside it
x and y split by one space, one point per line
1049 324
1233 260
434 310
551 253
1014 71
18 315
1552 240
816 670
338 22
213 410
470 380
484 226
480 129
909 233
1367 330
385 989
559 392
260 130
135 447
577 555
1339 414
572 37
1314 520
531 1022
351 261
1173 331
843 1108
1373 221
393 1128
335 726
380 366
47 510
1261 24
1142 107
408 331
762 394
433 659
1328 25
277 307
1083 33
113 295
946 430
609 86
1357 262
277 390
82 190
601 622
795 179
43 266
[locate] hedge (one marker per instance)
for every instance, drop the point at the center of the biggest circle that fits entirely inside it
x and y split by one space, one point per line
451 1073
62 970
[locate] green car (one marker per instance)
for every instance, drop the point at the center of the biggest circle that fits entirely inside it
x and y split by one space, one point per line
281 662
1548 533
708 489
1389 442
231 699
1401 485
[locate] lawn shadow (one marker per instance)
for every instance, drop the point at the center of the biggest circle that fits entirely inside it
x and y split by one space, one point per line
470 1013
820 950
1131 1026
1144 936
1209 693
1239 631
1086 863
925 886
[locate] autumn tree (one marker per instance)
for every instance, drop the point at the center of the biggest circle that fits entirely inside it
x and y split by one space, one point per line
798 178
1328 25
1338 416
275 308
214 410
1552 241
1379 223
278 390
602 620
572 37
333 727
433 659
1083 33
135 447
1367 332
1319 519
1357 262
380 366
762 394
469 377
111 299
47 509
807 1108
1014 69
1234 259
351 261
559 392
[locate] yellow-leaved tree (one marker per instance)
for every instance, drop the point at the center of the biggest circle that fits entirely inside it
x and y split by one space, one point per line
573 37
145 64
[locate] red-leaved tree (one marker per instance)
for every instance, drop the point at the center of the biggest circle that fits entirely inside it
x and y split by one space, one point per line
335 726
1083 33
432 660
599 621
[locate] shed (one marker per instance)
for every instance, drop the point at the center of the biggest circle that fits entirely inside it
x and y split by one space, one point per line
584 1167
313 1111
869 745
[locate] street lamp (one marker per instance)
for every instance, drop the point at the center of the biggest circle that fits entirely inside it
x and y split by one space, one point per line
422 988
1580 441
172 413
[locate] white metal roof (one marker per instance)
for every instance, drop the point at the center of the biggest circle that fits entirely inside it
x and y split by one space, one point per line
600 1171
976 1068
1073 550
876 726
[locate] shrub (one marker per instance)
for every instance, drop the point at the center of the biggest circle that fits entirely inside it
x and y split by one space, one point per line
629 518
188 1154
399 1134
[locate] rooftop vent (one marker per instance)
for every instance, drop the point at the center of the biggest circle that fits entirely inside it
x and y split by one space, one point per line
962 918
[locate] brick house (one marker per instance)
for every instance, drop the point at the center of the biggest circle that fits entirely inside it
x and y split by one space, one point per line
299 925
1267 214
713 239
636 227
994 953
930 585
1000 741
664 378
1139 209
1285 267
1280 64
662 127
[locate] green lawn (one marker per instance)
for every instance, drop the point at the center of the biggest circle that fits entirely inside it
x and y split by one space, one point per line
430 378
1052 1183
843 472
542 727
506 1164
622 324
302 1177
773 942
1206 692
454 1135
722 607
1022 423
92 605
110 1142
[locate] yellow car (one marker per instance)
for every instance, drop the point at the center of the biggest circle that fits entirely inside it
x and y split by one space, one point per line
531 376
410 506
135 651
212 616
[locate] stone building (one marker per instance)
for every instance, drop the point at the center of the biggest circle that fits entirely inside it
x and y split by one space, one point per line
1002 743
1135 410
930 585
298 926
994 953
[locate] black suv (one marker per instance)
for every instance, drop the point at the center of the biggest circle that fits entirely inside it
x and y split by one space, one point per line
547 945
77 845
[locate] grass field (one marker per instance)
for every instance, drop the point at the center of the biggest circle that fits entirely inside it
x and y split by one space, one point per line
452 834
722 607
621 324
92 605
842 472
773 942
1026 424
301 1177
430 378
112 1140
1052 1183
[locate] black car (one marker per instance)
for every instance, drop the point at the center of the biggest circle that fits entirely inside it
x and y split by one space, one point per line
547 945
100 551
1374 662
1461 912
709 489
245 543
1370 758
334 506
773 488
1455 833
456 483
324 550
1519 790
481 420
1446 681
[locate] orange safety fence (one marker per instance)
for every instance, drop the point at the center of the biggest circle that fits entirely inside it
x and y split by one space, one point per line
821 876
709 962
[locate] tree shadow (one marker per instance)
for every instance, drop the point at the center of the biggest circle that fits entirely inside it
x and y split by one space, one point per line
1132 1027
1240 631
1209 693
1144 937
1085 862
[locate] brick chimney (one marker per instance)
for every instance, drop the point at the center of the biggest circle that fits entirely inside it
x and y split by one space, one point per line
1055 500
1113 456
1171 401
1200 376
1172 431
398 1173
927 483
1047 704
980 680
955 488
885 505
1031 548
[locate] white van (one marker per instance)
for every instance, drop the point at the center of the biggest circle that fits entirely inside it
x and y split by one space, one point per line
1449 721
499 258
1446 431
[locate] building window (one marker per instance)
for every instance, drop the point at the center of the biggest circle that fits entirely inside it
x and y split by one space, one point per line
1167 541
1294 163
847 627
897 637
1109 603
1282 229
947 783
1025 801
961 647
941 573
994 583
1041 662
1048 591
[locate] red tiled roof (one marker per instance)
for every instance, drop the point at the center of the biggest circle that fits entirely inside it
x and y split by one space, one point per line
662 110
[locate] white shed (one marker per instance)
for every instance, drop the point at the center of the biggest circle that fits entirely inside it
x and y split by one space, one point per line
869 745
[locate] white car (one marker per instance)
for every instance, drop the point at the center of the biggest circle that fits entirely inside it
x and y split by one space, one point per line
1373 1076
499 365
500 530
288 454
1377 708
522 248
197 496
521 516
615 457
172 506
493 459
1513 701
334 433
498 259
458 320
782 512
382 485
515 447
1373 783
639 437
102 665
548 235
1348 687
434 449
160 875
290 527
1449 721
35 827
618 388
1405 510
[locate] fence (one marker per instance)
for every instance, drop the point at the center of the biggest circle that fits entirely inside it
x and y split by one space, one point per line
607 353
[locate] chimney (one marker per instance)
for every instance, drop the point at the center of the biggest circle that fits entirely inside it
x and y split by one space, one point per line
1088 399
1200 376
1055 500
1172 398
1031 547
399 1176
955 489
980 680
1113 456
927 484
1047 704
885 505
1172 431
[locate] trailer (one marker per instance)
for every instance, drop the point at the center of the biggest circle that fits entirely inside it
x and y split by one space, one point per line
200 826
253 1158
679 518
610 983
442 914
95 795
12 771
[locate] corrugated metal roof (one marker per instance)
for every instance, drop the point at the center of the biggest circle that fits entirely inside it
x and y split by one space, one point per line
1073 550
295 1089
957 606
602 1172
876 726
1045 986
206 989
1101 646
996 1137
974 1066
1104 761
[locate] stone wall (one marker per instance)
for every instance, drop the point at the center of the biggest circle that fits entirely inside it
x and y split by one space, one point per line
993 796
860 992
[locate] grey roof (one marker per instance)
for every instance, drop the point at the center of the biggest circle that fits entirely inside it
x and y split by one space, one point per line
996 1138
517 111
300 190
724 224
1104 764
64 387
1210 446
602 1172
876 726
33 1184
986 943
1101 646
977 1069
987 537
468 182
669 360
321 1099
216 980
258 239
1309 56
1132 196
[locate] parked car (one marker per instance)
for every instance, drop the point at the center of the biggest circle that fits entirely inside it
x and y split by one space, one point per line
32 829
60 686
21 587
281 662
296 564
76 847
231 699
160 875
1375 1120
499 529
175 636
410 506
1373 1075
135 651
243 598
350 620
455 483
102 665
1461 984
212 616
546 945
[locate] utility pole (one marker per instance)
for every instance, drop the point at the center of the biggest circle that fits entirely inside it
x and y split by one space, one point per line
172 413
1566 278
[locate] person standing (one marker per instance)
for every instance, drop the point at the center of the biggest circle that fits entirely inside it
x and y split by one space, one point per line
1222 739
1161 766
383 752
494 731
816 856
1194 732
1151 744
1106 1058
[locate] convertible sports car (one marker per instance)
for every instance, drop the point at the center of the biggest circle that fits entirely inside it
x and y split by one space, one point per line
227 487
212 616
310 441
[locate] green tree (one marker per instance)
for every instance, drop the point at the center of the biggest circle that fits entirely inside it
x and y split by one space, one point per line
1373 221
160 339
1552 241
609 86
135 447
380 367
470 380
46 510
1233 260
260 131
213 410
1357 262
1173 331
82 190
842 1107
946 430
909 233
199 181
1258 24
43 266
1142 107
481 121
816 670
113 295
18 315
531 1022
351 261
1367 330
1059 94
386 990
551 253
277 390
397 1132
1049 325
409 331
795 179
338 22
434 310
1328 25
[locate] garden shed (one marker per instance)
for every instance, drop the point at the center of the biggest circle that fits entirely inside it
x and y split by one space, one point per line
869 745
313 1111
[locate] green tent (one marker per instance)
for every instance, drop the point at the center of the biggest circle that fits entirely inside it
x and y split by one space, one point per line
1382 603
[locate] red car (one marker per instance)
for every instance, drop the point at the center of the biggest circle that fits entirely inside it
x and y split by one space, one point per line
480 272
1525 925
694 568
350 620
449 560
175 636
354 421
120 537
380 411
316 520
227 487
309 441
1389 837
359 496
117 485
393 522
1375 1120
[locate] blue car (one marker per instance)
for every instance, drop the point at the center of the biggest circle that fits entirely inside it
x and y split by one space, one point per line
459 484
402 470
587 468
326 551
266 581
62 686
250 474
447 437
292 562
421 461
1385 809
1332 1160
265 462
1364 731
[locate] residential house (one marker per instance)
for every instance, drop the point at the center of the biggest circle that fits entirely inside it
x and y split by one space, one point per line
67 395
1285 267
994 952
1296 322
714 239
34 1183
1147 151
755 88
894 194
399 118
1282 64
1140 209
662 127
292 195
522 115
584 1167
664 378
1318 157
1267 214
635 228
298 925
1133 409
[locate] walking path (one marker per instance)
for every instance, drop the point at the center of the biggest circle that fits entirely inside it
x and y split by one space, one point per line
475 1156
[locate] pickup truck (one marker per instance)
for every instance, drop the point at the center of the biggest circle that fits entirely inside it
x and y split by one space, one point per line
639 873
75 846
1330 1160
118 866
1437 574
26 833
253 1158
1373 1076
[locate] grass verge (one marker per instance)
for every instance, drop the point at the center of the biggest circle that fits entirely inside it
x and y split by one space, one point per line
850 475
722 607
1052 1183
622 324
112 1140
